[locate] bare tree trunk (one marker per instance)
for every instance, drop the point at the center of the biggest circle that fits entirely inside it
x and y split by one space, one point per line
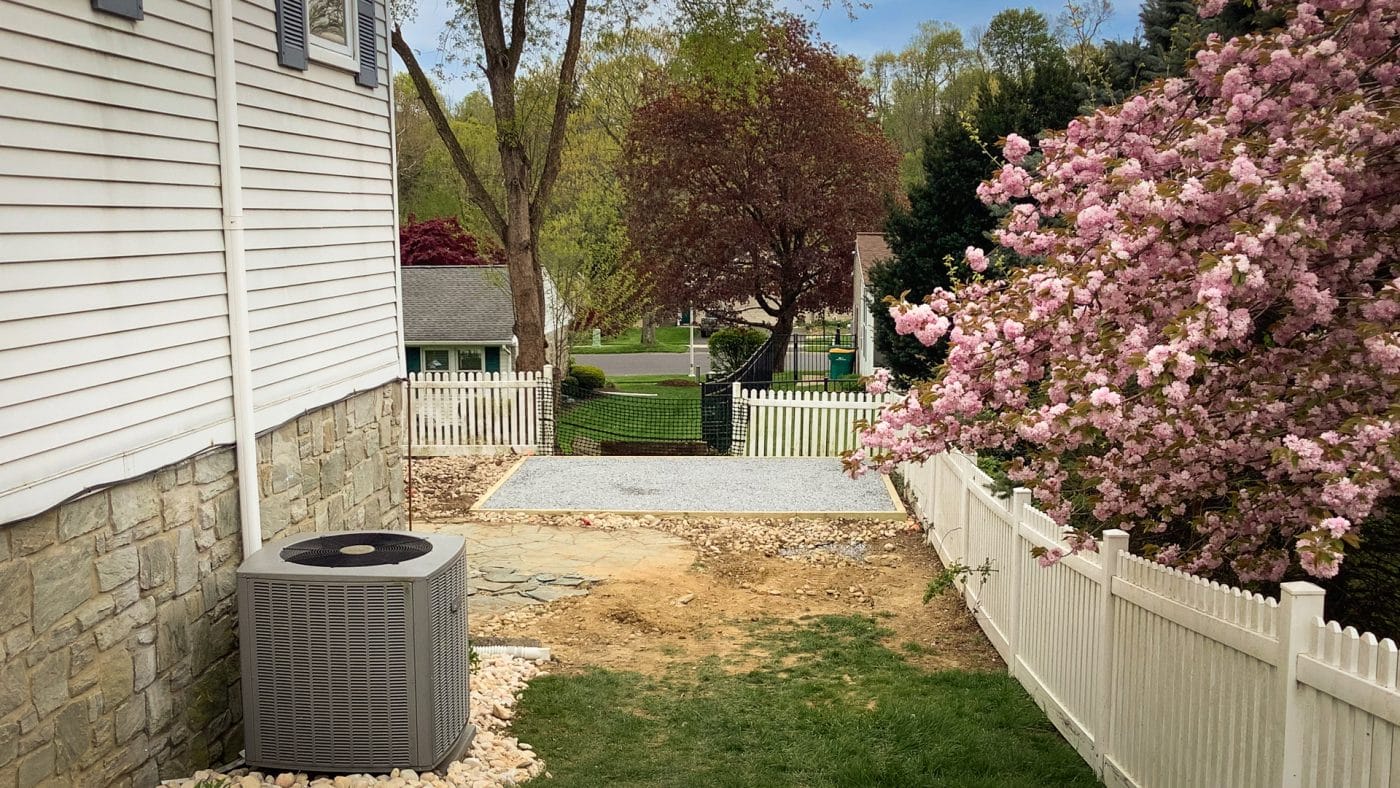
649 329
782 336
527 190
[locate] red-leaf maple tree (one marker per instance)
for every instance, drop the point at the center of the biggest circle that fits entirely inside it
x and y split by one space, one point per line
443 242
757 191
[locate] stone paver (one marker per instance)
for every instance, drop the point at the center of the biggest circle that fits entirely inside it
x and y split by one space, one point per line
512 565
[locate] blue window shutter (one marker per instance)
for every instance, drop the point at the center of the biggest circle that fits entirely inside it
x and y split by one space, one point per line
369 45
493 359
292 32
131 9
413 358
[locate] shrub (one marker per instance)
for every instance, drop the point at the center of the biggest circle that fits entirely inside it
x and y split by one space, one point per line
589 378
731 347
679 383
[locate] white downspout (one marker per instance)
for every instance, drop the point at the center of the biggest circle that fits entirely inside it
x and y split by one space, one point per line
236 275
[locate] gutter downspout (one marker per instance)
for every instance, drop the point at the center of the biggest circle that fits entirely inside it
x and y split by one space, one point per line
236 276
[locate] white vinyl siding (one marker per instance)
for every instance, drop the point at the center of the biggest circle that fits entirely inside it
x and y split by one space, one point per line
318 197
114 346
113 316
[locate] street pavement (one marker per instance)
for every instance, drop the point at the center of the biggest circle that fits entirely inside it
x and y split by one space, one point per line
615 364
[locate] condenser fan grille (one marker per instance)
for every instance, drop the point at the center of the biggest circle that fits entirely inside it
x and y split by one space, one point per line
356 549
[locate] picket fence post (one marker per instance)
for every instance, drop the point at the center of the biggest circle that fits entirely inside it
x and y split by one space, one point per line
965 518
736 401
1300 605
1020 500
1112 542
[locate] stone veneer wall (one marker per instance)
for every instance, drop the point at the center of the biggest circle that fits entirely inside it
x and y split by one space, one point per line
117 610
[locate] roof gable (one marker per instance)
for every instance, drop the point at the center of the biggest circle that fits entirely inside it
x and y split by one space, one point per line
871 250
457 303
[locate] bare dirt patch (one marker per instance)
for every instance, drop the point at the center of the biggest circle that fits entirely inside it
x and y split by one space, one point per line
650 619
650 622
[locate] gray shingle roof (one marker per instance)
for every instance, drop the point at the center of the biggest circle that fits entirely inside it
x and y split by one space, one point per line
457 303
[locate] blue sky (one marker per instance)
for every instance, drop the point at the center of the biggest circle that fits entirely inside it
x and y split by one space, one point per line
889 24
885 25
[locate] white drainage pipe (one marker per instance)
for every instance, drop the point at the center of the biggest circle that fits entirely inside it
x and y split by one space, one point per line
535 653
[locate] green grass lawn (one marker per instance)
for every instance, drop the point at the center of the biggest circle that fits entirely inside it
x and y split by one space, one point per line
669 339
830 706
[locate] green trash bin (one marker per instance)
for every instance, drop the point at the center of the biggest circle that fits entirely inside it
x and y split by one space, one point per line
842 361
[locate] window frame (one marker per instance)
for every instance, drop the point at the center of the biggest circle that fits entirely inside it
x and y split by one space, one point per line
423 358
328 53
453 357
480 353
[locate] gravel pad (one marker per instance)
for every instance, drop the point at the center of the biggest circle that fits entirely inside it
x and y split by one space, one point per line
690 484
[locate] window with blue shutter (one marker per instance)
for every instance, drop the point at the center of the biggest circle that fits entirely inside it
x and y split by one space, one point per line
369 46
131 9
291 33
493 359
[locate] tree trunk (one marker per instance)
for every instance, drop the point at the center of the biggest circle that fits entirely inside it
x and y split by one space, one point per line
526 290
782 336
648 329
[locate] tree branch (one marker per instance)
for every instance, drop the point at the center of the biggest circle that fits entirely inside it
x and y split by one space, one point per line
517 33
563 104
475 188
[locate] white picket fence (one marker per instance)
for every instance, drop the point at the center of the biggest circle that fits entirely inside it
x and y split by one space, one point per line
460 413
1158 678
799 423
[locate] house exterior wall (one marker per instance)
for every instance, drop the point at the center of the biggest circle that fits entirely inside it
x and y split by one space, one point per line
862 324
113 319
319 211
114 325
496 357
118 654
119 521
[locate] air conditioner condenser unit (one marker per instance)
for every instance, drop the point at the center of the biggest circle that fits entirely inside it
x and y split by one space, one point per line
354 652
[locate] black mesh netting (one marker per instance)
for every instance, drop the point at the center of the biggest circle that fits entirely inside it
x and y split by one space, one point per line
356 549
601 422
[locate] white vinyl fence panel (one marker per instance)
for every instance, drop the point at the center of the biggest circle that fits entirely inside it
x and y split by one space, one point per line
1156 677
460 413
800 423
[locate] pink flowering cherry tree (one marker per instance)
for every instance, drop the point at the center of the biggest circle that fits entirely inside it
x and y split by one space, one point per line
1205 348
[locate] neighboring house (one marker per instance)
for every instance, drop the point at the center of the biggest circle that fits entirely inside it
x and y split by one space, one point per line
871 250
200 349
460 318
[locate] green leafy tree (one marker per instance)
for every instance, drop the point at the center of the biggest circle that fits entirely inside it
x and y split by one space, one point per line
934 74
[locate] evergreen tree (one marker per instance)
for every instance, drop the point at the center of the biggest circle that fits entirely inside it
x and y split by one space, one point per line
1172 32
945 216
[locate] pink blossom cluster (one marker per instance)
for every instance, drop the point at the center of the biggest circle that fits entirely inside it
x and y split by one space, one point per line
1206 347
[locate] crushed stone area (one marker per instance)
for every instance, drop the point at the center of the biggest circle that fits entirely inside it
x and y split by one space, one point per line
690 484
496 758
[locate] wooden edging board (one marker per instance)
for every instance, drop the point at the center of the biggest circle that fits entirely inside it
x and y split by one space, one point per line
496 485
898 512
